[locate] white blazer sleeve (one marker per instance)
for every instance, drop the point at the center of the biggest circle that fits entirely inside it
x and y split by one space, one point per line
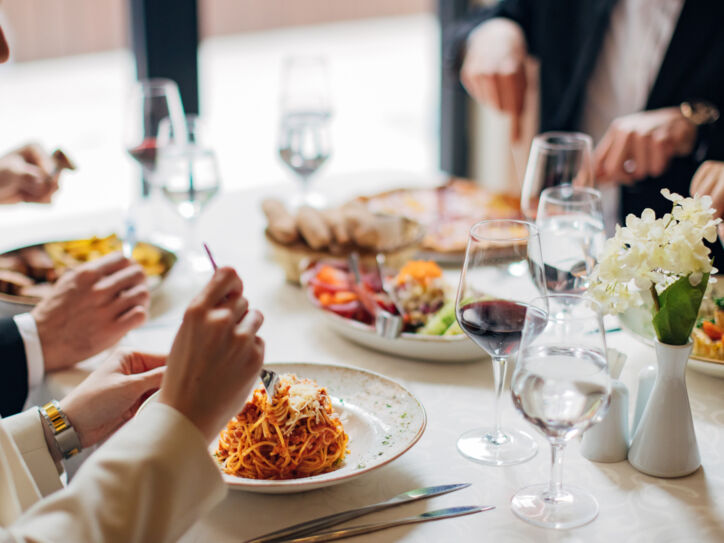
26 429
149 483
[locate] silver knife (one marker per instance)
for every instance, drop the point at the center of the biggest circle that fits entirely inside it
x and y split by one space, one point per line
376 526
310 526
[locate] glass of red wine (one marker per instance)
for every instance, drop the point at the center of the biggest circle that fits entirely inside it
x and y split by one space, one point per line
501 274
151 101
562 387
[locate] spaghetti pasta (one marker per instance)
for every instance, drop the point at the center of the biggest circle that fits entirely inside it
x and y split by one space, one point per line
299 435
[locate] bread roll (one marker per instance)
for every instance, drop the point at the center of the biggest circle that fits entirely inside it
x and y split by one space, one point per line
314 228
282 226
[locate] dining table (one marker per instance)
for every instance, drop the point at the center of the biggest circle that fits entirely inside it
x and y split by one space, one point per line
456 397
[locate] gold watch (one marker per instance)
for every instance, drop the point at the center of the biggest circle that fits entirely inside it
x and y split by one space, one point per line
65 435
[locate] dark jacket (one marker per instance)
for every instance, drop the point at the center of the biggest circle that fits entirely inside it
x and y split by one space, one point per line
566 37
13 369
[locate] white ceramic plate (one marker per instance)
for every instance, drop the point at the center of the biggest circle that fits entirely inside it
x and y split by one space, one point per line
382 419
637 322
417 346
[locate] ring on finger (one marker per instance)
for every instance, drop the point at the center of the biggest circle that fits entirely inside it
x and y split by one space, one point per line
629 166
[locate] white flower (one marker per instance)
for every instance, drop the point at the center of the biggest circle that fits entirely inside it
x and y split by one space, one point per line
650 252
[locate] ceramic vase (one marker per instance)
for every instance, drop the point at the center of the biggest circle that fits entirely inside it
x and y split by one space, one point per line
664 444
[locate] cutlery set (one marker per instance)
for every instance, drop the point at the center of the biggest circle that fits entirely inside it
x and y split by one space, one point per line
314 530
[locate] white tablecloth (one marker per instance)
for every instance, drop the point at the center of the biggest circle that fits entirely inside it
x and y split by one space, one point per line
457 397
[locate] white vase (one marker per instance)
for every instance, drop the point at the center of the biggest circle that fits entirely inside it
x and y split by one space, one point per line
664 444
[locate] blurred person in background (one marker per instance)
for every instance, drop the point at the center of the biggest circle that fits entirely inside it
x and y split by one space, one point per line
645 78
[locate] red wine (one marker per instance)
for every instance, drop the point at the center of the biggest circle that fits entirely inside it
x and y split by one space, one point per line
496 325
145 153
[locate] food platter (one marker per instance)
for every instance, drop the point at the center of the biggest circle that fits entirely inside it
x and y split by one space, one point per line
447 212
443 349
58 256
382 418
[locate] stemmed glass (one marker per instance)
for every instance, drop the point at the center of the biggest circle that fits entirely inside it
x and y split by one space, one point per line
502 272
570 221
151 101
304 131
561 385
556 158
189 177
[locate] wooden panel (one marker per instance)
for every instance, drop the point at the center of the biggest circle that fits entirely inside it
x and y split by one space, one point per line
52 28
232 16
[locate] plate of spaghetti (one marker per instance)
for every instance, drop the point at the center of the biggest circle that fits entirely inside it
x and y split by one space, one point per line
328 424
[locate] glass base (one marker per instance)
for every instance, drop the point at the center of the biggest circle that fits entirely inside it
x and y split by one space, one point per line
572 508
510 447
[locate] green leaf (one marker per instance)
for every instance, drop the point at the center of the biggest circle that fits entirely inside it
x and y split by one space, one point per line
679 308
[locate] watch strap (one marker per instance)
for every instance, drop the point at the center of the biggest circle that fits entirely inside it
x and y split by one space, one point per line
65 435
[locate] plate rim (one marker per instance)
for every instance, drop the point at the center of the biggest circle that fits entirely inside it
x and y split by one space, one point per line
253 484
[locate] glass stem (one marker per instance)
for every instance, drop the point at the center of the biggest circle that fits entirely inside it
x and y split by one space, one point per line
500 367
556 483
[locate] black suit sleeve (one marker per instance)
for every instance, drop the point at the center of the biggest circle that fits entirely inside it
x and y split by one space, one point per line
13 369
455 36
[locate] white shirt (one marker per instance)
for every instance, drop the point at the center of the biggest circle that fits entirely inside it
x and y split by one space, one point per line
33 349
633 49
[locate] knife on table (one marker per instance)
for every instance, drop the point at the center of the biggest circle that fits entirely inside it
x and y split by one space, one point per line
440 514
315 525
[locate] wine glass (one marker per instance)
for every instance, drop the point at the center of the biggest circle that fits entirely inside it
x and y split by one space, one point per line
501 273
304 131
151 101
556 158
570 221
562 386
189 180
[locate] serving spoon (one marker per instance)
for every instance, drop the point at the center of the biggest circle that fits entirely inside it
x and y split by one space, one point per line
269 378
387 325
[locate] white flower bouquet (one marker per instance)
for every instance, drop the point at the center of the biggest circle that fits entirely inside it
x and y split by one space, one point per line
662 263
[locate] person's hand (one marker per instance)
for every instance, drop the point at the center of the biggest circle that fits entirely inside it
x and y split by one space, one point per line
90 309
493 70
216 356
709 181
642 144
112 394
27 175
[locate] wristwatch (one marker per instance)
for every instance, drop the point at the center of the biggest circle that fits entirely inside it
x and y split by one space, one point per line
700 112
65 435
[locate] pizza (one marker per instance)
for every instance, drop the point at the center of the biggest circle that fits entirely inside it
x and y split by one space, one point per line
447 212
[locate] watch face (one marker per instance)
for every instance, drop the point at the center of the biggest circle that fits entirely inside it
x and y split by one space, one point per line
700 112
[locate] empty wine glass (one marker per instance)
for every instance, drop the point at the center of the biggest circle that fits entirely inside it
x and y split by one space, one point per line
151 101
190 178
501 273
562 387
570 221
556 158
304 131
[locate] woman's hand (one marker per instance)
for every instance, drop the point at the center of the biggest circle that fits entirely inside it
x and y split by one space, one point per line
27 175
216 356
111 394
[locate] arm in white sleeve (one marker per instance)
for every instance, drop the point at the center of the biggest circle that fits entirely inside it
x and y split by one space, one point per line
26 429
149 483
33 348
